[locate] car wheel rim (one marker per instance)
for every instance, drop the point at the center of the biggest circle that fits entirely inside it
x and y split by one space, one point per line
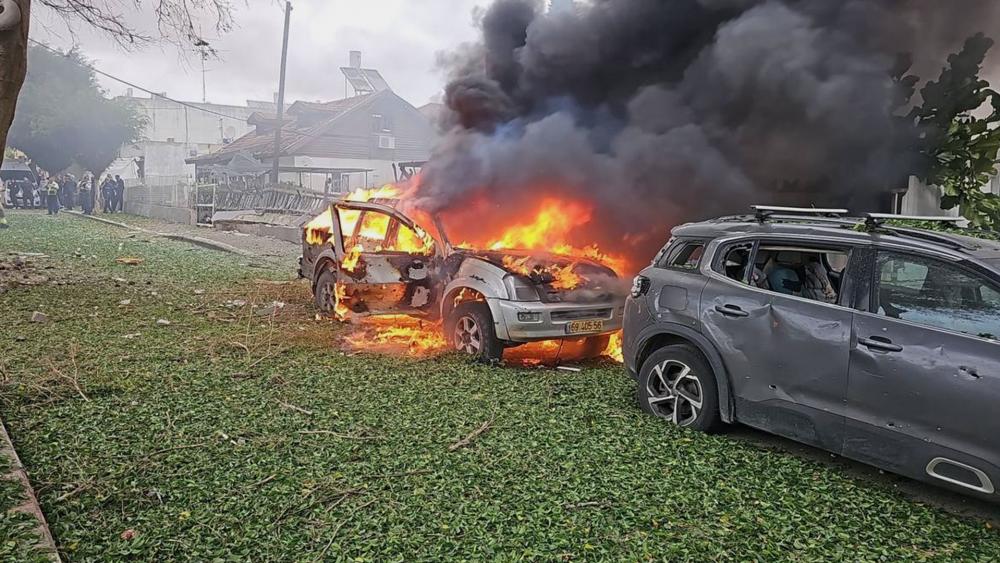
675 393
327 298
468 336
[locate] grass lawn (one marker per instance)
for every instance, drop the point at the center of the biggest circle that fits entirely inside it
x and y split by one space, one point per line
233 436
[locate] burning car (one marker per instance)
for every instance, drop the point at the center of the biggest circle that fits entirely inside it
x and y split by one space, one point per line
367 257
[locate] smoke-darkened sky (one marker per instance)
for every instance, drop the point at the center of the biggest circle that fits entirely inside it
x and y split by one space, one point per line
401 38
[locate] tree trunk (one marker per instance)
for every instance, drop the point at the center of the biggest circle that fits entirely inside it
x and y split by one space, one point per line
14 20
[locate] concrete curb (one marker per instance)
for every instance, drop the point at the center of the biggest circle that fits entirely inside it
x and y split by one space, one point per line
198 241
46 543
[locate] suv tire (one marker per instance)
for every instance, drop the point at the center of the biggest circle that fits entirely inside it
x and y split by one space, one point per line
677 384
325 292
469 329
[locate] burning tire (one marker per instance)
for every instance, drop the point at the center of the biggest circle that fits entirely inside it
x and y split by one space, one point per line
470 329
325 292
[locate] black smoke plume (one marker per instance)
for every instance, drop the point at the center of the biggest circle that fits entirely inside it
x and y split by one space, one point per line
665 111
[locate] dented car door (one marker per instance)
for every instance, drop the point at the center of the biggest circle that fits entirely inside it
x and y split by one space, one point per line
387 263
787 355
925 372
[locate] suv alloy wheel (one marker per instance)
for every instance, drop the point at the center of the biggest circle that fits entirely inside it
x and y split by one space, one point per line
677 384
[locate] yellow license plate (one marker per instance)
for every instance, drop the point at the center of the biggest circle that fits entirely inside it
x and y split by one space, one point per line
579 327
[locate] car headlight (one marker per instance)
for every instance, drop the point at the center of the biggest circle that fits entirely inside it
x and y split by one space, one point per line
521 289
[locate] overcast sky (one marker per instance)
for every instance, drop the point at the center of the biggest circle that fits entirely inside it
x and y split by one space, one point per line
400 38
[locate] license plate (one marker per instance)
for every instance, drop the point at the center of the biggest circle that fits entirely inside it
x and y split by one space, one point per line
579 327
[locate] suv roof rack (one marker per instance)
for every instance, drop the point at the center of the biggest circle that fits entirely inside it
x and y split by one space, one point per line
876 221
764 212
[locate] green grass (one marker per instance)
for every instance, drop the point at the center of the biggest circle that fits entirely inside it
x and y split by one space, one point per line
184 440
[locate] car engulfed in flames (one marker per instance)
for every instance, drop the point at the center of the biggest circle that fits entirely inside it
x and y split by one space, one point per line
371 257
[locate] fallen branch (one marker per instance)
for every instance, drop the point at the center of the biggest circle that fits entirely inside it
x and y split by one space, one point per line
167 450
336 530
264 481
295 408
338 435
464 442
73 380
398 475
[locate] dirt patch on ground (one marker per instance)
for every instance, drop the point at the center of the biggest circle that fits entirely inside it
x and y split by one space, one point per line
24 270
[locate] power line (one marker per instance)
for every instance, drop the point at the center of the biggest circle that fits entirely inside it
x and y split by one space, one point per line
136 86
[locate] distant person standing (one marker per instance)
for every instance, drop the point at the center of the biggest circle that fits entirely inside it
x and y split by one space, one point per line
68 191
52 196
120 193
27 194
3 196
85 192
107 195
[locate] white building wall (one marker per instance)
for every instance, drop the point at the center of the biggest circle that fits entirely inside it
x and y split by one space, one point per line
922 199
175 132
380 174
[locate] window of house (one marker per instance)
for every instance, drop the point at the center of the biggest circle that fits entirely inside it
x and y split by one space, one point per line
937 294
806 271
686 256
381 123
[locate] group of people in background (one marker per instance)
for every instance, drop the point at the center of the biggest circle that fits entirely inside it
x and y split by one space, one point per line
63 192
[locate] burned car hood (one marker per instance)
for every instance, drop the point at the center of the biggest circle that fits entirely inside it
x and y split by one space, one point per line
558 277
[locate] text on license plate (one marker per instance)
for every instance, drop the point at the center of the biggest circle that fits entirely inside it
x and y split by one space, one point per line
578 327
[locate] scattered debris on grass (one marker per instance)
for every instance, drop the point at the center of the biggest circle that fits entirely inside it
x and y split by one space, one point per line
130 260
475 434
39 317
295 408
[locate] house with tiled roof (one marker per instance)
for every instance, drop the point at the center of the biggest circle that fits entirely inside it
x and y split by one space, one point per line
344 144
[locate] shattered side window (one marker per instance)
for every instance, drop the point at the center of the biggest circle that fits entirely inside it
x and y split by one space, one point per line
372 231
937 294
735 261
686 256
409 241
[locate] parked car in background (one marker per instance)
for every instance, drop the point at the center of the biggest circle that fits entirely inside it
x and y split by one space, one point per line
876 342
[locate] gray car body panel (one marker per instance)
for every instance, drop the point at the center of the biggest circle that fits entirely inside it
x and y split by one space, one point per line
797 367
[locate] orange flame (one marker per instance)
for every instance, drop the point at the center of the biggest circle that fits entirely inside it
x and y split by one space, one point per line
550 230
397 334
564 278
614 350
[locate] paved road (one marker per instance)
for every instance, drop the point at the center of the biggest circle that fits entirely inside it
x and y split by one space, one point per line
284 253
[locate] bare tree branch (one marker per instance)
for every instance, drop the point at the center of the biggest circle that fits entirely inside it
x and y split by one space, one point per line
176 20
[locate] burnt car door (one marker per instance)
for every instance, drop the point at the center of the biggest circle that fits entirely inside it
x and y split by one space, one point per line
925 371
784 333
387 264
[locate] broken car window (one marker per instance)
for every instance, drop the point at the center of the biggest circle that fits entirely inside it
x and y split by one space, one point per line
371 232
937 294
735 261
687 256
801 271
407 240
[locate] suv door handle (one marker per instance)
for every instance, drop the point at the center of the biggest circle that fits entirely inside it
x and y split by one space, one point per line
880 343
731 311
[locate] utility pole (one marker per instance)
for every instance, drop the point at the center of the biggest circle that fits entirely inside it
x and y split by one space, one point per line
281 95
203 52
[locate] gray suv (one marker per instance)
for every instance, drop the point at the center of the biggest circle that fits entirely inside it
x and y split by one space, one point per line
876 342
